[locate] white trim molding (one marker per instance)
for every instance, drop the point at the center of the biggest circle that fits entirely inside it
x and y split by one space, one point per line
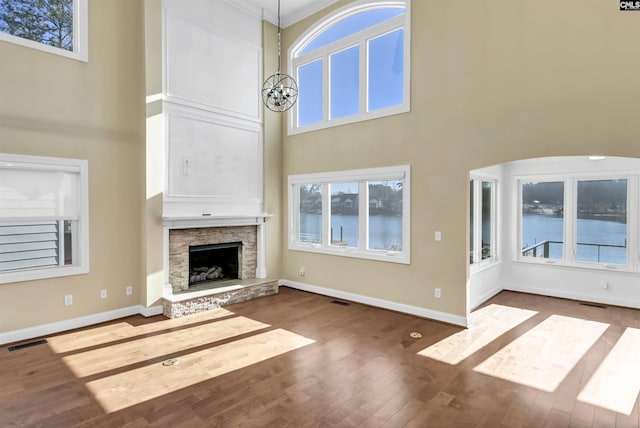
380 303
61 326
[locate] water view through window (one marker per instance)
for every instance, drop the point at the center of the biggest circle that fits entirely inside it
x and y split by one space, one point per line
310 208
601 221
385 215
384 206
543 219
344 214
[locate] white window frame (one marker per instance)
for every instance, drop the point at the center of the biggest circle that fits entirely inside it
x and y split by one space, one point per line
360 39
567 232
478 262
81 253
80 50
571 223
362 177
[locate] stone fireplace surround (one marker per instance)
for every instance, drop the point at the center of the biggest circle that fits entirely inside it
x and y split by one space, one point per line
181 239
180 233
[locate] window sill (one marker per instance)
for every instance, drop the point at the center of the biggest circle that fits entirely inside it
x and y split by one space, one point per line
484 265
44 273
382 256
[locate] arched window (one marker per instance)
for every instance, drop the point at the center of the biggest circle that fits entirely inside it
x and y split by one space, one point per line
353 65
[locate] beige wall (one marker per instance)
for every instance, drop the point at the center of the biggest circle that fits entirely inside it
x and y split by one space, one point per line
54 106
272 162
153 173
492 81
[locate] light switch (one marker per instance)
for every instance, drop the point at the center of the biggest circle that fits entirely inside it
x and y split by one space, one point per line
186 163
438 235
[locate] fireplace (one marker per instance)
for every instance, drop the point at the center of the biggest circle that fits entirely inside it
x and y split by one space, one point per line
238 243
188 243
214 262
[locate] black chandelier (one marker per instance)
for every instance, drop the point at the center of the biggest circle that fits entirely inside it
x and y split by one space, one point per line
279 91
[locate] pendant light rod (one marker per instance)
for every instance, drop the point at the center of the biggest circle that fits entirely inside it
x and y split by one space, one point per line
279 61
279 91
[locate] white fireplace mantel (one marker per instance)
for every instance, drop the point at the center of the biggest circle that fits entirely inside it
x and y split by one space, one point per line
187 222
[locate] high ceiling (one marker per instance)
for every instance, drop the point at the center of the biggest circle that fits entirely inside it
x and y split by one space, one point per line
291 11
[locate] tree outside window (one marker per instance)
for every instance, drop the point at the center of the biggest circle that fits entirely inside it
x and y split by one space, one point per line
49 22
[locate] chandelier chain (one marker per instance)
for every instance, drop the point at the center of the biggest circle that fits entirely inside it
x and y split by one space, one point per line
279 91
279 61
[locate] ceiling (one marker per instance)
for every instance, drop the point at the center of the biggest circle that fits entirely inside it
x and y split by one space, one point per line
291 11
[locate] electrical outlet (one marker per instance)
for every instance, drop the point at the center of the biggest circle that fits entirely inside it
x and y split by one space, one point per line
437 293
68 300
129 290
103 294
301 271
438 236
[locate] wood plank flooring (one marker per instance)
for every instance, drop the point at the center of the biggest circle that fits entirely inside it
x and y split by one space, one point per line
297 360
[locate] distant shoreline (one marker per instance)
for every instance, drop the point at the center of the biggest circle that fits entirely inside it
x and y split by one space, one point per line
618 218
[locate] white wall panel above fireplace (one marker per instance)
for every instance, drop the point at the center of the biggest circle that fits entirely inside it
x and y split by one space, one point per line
212 77
212 69
210 159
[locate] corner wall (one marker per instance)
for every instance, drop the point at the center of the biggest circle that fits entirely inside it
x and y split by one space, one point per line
55 106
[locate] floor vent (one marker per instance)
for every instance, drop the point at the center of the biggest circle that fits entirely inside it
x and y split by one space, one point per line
593 305
338 302
27 345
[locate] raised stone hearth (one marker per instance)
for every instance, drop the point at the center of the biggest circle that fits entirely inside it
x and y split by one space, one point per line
179 305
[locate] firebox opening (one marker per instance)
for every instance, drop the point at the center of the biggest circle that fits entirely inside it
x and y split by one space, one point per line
214 262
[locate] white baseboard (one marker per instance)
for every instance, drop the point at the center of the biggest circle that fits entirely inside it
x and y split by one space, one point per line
59 326
380 303
150 311
574 296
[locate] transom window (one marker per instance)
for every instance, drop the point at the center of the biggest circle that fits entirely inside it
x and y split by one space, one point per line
360 213
352 66
54 26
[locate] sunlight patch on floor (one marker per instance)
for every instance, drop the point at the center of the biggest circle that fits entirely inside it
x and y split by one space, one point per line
488 324
544 356
145 348
79 339
136 386
616 383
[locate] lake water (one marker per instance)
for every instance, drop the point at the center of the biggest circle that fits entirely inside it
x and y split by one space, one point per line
537 228
385 232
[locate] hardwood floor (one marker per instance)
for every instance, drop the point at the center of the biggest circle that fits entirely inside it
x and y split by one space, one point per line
298 360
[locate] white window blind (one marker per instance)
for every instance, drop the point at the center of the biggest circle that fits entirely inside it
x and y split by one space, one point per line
31 191
29 245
